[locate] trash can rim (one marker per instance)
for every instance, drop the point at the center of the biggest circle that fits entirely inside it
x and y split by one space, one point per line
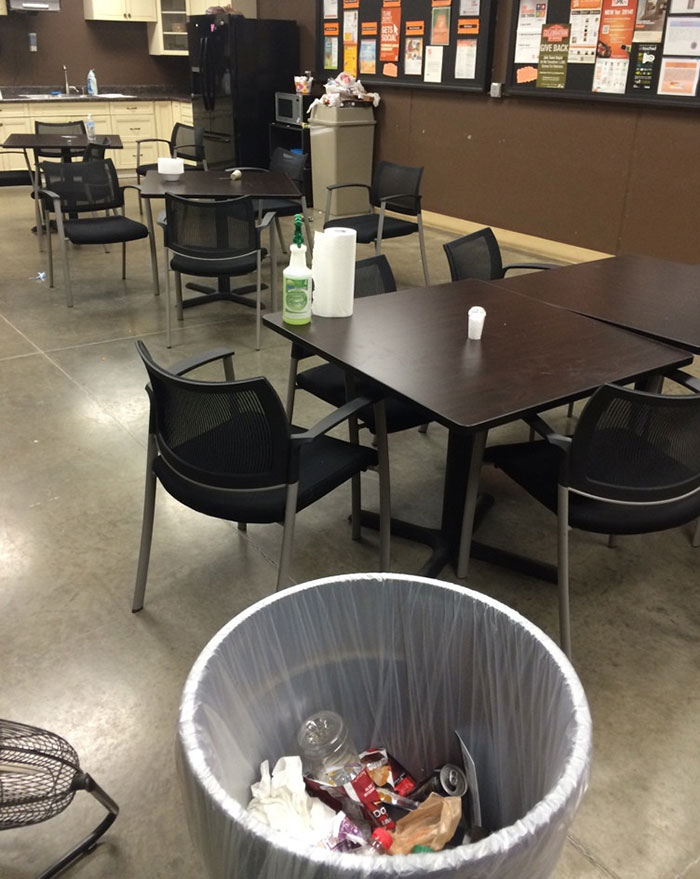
538 816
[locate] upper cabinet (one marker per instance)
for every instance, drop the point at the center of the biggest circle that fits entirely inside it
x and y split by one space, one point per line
168 35
120 10
3 7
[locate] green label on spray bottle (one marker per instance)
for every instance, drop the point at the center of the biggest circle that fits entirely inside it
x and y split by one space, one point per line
296 301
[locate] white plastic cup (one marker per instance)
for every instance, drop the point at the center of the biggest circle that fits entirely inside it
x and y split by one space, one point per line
477 314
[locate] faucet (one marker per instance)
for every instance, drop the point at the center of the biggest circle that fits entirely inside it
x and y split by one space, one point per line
65 76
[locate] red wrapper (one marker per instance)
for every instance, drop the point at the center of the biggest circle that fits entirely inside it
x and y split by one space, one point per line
359 790
386 771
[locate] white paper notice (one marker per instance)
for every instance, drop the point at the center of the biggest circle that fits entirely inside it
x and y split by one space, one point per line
350 26
469 7
679 76
585 24
433 64
330 8
465 59
610 75
413 56
531 17
682 36
678 7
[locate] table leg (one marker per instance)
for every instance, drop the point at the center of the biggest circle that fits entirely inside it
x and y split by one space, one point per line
152 243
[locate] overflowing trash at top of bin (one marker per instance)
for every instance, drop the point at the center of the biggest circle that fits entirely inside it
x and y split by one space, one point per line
343 88
407 662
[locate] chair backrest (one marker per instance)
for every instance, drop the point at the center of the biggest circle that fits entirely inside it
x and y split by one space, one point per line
390 179
84 186
94 151
373 275
475 256
187 142
68 128
289 163
210 229
228 434
634 446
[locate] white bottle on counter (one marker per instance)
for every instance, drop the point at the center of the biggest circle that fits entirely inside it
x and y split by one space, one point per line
91 83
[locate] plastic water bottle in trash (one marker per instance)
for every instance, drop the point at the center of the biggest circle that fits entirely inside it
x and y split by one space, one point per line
329 756
90 127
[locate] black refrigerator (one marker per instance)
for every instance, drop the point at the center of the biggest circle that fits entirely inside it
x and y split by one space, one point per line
237 64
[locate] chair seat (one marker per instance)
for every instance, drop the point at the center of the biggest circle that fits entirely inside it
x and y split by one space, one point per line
283 207
104 230
324 464
535 466
327 382
242 265
366 227
142 170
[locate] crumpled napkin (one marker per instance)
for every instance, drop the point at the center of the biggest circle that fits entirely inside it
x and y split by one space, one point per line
280 800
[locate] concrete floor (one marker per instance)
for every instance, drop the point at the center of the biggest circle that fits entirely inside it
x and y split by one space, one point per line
76 661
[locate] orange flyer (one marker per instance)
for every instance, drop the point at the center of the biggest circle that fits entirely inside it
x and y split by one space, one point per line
389 40
616 30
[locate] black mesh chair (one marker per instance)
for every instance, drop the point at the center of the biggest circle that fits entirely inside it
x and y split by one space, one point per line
186 142
74 188
479 256
62 154
39 776
632 466
212 239
227 449
293 165
329 382
394 188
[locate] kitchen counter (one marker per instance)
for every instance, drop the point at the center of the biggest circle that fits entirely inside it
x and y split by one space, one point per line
30 94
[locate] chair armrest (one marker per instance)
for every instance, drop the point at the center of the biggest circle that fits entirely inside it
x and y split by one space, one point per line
245 168
135 186
345 185
332 420
152 140
530 265
53 196
266 220
189 363
682 378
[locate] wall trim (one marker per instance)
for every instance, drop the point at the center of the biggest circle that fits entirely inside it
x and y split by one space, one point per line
552 251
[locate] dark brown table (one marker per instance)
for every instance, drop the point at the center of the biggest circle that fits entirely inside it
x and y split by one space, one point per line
532 356
218 184
656 297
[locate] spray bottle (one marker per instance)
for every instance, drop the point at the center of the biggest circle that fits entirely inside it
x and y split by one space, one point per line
296 281
91 83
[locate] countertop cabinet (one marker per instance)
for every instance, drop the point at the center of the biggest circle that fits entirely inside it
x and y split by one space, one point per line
120 10
14 119
3 7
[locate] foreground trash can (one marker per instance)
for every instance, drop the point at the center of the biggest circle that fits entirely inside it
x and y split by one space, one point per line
342 148
406 660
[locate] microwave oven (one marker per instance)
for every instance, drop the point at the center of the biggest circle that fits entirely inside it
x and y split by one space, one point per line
290 108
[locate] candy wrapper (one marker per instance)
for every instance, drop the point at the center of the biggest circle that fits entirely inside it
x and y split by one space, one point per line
386 771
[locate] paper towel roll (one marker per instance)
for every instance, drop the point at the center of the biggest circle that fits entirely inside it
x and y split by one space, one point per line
333 269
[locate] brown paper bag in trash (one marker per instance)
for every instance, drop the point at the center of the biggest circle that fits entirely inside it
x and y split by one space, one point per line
433 823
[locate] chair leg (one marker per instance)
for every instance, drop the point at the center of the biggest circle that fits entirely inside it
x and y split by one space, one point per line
49 257
290 511
307 225
278 227
563 568
612 540
83 781
123 260
570 410
355 481
168 307
242 526
423 428
152 246
291 385
696 536
64 253
178 295
384 487
149 507
426 274
258 316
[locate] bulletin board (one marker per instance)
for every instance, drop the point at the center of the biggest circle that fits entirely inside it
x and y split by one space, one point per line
439 44
639 51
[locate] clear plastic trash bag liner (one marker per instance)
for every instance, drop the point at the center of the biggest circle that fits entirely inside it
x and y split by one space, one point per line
406 660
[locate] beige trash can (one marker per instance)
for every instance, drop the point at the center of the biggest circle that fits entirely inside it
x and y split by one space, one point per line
342 147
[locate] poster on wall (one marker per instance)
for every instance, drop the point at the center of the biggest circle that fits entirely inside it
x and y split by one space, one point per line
397 41
645 63
679 76
553 57
584 21
651 17
531 17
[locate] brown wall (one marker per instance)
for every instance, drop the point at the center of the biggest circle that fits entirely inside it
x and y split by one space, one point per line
118 51
609 177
